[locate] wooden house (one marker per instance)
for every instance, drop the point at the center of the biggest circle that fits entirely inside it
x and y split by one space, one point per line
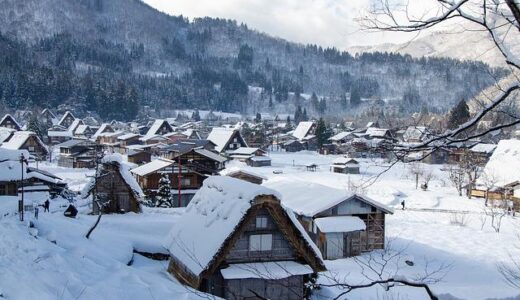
226 140
115 190
293 146
27 140
345 165
9 122
480 153
11 170
341 223
159 127
252 246
246 176
304 129
139 157
196 165
77 154
48 118
66 120
104 128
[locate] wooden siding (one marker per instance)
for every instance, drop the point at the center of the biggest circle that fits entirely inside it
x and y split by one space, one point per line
113 188
290 288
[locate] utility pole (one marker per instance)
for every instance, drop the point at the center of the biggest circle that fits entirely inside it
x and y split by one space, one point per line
179 180
21 201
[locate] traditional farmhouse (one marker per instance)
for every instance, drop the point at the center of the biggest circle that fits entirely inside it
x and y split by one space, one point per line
415 134
501 175
226 140
341 223
6 134
104 128
304 129
254 157
345 165
114 190
48 118
12 170
159 127
66 120
9 122
77 154
252 246
480 153
27 140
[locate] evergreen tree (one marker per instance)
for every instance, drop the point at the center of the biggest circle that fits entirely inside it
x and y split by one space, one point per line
288 123
355 97
304 115
315 102
164 196
322 133
298 115
258 118
458 115
343 101
37 127
195 116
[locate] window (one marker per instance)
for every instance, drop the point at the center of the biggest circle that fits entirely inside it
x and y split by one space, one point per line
261 222
185 181
260 242
3 190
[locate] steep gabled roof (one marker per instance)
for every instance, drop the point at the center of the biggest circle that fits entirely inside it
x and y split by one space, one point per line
221 137
504 163
221 209
9 117
157 124
67 113
303 129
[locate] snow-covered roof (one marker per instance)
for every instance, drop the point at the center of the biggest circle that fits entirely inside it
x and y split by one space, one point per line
340 224
12 155
5 133
127 136
235 170
211 155
309 199
260 158
18 140
484 148
67 113
215 210
376 132
344 160
245 151
415 133
12 119
124 170
152 167
340 136
81 129
220 137
504 163
155 128
266 270
302 129
103 128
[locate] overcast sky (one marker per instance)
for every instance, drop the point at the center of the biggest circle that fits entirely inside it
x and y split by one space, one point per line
323 22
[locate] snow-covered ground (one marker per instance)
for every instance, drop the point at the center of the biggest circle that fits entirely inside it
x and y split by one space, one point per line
106 267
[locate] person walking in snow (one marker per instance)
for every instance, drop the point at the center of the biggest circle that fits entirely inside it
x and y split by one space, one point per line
402 204
46 205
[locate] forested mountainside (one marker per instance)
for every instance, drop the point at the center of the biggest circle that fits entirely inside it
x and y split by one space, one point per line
113 56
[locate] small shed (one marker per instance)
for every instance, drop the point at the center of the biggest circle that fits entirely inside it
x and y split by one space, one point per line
345 165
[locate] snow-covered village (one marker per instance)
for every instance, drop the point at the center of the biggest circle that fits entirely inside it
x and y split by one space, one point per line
171 150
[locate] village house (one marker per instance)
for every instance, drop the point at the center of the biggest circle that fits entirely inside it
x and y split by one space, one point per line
226 139
415 134
48 118
66 120
138 157
254 157
12 168
345 165
114 189
9 122
159 127
342 224
104 128
77 154
27 140
500 176
6 134
293 146
253 247
481 152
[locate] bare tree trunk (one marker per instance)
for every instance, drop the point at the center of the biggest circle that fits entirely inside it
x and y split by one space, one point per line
95 225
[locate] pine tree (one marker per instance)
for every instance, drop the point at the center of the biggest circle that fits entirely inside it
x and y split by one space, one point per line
195 116
288 123
164 196
458 115
304 115
36 126
298 115
322 133
258 118
355 97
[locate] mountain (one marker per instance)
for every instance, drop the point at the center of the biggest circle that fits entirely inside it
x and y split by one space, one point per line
104 55
458 44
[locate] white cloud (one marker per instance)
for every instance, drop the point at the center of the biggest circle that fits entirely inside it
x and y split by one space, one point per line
323 22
